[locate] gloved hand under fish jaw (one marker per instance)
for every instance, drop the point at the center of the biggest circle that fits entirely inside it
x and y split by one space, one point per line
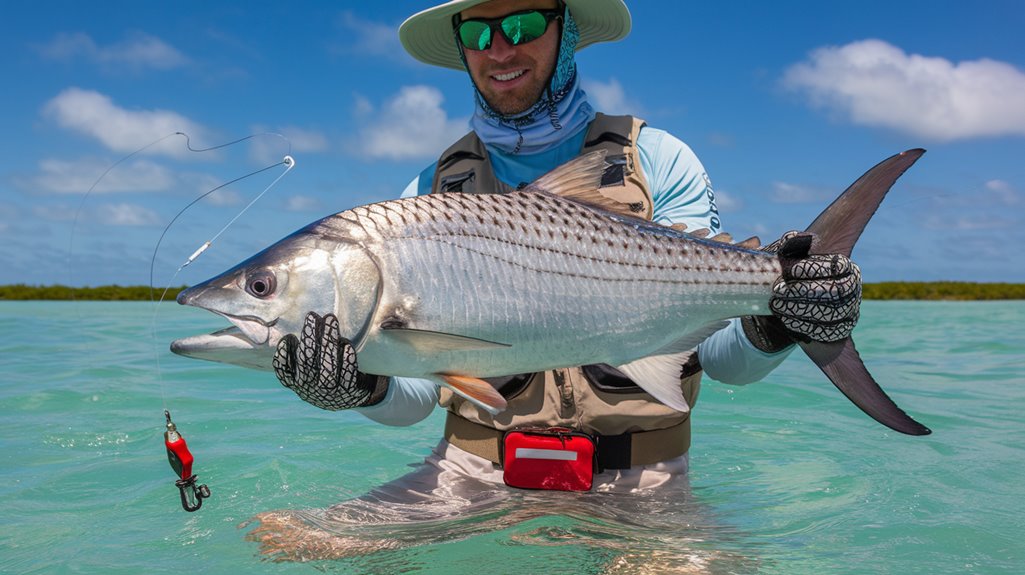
320 367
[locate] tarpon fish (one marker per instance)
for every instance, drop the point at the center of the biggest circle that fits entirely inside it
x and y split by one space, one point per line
456 287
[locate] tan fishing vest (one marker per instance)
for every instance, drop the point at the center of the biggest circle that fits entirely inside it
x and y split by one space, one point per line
598 401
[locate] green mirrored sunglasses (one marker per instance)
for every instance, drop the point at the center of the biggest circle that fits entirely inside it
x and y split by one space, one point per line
517 28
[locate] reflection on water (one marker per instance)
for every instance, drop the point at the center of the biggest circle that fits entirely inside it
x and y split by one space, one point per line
661 530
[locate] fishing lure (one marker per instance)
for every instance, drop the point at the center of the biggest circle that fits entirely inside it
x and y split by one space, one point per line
181 459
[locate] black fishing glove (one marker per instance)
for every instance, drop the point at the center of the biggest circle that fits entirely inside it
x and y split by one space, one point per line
818 298
320 367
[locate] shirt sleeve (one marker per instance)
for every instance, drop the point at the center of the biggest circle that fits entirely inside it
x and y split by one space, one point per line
408 401
682 193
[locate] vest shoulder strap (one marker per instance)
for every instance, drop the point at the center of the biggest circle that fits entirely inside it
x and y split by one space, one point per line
464 167
623 179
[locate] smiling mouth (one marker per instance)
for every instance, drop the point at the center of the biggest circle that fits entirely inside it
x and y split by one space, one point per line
507 76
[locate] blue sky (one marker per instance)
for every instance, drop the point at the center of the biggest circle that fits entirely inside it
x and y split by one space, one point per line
786 103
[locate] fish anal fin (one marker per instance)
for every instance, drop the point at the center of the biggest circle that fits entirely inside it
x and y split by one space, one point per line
425 341
476 390
843 366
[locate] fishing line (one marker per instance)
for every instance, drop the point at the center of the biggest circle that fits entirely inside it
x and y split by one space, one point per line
178 454
287 161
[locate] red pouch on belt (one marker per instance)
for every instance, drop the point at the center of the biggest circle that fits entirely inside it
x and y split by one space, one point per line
553 458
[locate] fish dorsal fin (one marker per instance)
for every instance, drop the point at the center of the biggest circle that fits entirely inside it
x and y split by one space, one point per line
680 227
476 391
751 243
722 237
434 341
659 374
701 233
578 180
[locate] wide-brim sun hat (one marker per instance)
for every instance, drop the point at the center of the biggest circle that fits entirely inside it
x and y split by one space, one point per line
428 35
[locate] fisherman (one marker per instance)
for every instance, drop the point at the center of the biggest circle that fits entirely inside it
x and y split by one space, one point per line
531 115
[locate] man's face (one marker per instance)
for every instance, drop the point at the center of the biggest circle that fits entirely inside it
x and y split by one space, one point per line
512 78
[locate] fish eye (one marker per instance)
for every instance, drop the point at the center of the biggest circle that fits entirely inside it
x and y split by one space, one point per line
261 284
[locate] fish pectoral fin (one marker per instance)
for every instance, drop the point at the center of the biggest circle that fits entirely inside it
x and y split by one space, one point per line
434 341
476 390
842 364
659 375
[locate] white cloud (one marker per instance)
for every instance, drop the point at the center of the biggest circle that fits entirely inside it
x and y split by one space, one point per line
411 125
727 202
56 212
8 214
302 204
78 177
369 38
126 215
268 148
610 97
104 214
874 83
137 50
784 193
93 114
1003 193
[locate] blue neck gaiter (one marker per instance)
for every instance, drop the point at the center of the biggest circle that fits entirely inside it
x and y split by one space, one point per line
560 113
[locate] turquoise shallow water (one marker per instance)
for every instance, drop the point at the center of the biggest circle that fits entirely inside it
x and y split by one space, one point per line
786 475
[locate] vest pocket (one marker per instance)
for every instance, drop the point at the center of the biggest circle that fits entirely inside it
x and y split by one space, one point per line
456 182
509 386
606 378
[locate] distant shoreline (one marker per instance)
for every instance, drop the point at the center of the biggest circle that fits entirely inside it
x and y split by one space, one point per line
933 291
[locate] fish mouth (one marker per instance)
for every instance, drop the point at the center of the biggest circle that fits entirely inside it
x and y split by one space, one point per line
254 329
247 343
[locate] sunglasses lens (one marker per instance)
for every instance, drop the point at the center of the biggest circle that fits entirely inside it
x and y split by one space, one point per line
517 29
475 35
522 28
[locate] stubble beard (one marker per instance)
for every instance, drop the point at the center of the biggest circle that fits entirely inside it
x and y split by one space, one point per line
515 102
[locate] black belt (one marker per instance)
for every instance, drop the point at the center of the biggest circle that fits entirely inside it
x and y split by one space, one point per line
621 451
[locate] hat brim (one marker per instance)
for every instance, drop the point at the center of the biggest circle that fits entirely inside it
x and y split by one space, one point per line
428 35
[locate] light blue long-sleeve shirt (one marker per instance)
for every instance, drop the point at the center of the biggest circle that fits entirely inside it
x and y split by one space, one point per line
681 193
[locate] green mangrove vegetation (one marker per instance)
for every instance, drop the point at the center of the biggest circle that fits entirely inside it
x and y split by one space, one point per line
24 292
963 291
